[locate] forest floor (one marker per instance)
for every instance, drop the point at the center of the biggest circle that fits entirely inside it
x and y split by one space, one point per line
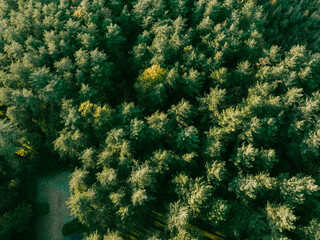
54 190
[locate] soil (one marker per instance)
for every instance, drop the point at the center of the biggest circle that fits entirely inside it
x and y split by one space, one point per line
53 190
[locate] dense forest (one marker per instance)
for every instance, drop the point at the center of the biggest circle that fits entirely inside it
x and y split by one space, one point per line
207 111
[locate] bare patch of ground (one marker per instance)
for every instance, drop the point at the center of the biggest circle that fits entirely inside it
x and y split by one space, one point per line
53 190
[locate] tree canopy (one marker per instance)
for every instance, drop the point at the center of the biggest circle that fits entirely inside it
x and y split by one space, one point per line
207 111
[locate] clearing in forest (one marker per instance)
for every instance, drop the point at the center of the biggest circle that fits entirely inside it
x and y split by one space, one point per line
54 190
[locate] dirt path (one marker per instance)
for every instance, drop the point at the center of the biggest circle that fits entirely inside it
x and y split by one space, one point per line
54 190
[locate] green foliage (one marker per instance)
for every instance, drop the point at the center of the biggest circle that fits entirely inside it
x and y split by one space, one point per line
296 189
71 227
206 111
281 217
150 86
15 214
281 15
15 221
